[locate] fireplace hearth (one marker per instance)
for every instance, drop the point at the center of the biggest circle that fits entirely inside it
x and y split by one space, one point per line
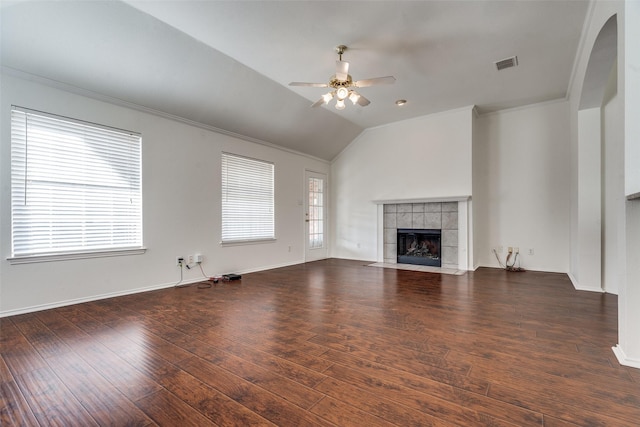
419 246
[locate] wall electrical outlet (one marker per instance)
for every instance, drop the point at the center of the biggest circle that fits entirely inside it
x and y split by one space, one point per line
516 250
510 250
179 261
190 258
198 258
531 252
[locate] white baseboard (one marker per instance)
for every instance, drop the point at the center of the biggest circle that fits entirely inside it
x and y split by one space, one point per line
577 286
65 303
270 267
623 359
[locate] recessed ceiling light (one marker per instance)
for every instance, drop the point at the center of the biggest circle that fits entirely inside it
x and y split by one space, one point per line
401 102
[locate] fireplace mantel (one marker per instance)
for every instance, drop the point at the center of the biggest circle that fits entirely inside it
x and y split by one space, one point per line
423 200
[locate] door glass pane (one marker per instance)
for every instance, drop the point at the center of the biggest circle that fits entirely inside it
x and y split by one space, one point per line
316 211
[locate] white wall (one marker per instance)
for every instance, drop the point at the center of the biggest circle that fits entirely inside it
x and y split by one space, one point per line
521 186
588 273
632 93
613 198
181 202
426 157
628 78
586 155
628 351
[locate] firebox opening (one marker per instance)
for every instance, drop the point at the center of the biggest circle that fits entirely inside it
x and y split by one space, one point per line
417 246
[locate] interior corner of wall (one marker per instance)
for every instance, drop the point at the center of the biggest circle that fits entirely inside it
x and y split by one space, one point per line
623 359
574 281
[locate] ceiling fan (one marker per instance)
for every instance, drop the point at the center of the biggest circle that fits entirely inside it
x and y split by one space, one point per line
343 86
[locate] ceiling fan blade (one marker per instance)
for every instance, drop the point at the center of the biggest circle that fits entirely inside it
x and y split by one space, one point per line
318 103
362 101
308 84
375 81
342 70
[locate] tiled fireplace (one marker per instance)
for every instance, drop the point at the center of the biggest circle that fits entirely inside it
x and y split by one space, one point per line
449 216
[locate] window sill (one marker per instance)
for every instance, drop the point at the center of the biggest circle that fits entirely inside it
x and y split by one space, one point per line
28 259
247 242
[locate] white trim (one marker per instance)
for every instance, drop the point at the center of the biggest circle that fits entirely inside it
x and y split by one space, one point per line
247 242
74 301
270 267
623 359
522 107
98 297
581 43
577 286
574 282
423 200
122 103
423 268
380 233
75 255
430 115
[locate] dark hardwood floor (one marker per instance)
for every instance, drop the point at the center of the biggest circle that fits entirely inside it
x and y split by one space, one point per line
332 342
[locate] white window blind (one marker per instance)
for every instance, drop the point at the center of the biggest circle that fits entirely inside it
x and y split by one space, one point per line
247 199
75 187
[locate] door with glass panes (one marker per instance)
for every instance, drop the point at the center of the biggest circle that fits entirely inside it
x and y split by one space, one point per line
315 216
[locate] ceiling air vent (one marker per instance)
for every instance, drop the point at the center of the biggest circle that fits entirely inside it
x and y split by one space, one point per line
507 63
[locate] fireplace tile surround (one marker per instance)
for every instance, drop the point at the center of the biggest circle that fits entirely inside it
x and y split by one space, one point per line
431 215
452 215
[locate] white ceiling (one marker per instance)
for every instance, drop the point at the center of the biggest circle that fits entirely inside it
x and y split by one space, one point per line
227 64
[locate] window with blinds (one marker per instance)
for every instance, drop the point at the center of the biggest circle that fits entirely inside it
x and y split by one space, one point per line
75 187
247 199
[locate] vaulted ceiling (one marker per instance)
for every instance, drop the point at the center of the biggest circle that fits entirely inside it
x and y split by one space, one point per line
227 64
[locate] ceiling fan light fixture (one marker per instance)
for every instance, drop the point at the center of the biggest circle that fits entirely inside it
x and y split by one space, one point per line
354 96
342 93
327 97
342 85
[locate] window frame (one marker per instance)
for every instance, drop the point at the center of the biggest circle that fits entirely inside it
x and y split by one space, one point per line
56 251
224 179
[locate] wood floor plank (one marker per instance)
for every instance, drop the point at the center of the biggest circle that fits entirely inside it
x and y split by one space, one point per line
99 397
259 400
427 403
332 343
168 410
464 382
624 394
469 397
128 380
379 406
546 402
269 380
343 414
43 339
64 329
277 365
5 373
417 362
14 409
18 353
210 402
51 401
